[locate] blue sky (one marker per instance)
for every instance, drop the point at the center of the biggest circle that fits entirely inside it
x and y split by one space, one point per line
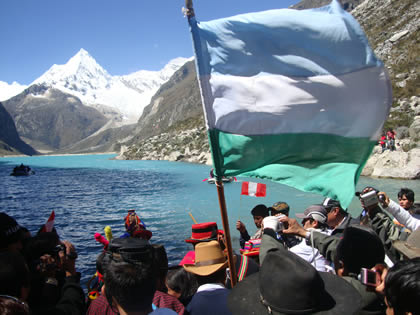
123 36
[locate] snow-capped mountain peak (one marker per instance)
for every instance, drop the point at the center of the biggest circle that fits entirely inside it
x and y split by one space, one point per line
79 74
82 62
83 77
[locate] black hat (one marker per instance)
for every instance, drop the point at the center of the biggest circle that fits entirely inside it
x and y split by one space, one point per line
10 230
360 247
260 210
287 284
132 249
410 247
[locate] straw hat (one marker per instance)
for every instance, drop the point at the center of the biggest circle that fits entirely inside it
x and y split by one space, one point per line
410 247
209 258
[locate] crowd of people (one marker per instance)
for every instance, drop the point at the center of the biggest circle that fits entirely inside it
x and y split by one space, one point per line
329 263
387 140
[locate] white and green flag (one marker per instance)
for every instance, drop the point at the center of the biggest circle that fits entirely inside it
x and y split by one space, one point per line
297 97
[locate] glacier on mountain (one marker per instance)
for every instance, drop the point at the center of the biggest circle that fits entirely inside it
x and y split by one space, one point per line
84 78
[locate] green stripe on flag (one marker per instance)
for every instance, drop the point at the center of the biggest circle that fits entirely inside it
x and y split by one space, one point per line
326 164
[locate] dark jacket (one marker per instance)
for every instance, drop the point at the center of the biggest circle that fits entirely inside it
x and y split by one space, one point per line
348 220
372 303
71 302
387 231
209 303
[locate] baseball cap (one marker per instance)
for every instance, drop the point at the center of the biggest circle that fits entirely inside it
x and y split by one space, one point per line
279 207
329 203
316 212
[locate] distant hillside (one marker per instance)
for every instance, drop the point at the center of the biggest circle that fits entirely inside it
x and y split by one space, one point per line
176 101
392 28
108 140
10 142
49 119
309 4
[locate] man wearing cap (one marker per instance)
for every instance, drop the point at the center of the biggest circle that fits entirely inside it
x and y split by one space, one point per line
313 219
382 223
359 247
287 284
259 212
280 207
210 269
337 218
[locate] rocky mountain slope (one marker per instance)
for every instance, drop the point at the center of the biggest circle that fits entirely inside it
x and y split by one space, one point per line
392 29
52 113
49 119
10 142
176 100
309 4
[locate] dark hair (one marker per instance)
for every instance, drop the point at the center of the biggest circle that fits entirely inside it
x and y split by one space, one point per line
402 286
10 230
161 259
41 244
322 226
216 277
131 284
260 210
101 262
182 282
408 193
359 248
14 273
9 305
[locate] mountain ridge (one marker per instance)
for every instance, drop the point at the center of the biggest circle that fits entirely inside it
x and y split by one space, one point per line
83 77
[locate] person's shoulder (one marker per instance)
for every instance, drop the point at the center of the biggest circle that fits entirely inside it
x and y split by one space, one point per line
164 300
352 221
163 311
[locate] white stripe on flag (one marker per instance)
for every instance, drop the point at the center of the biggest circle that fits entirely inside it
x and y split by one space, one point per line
252 189
276 104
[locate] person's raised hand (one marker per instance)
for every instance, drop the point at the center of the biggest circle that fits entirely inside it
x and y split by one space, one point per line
383 199
240 226
68 258
292 227
47 266
382 270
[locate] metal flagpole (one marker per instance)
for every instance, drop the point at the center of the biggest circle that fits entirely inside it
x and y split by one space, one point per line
220 192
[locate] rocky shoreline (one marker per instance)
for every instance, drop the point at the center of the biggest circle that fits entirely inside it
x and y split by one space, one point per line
192 146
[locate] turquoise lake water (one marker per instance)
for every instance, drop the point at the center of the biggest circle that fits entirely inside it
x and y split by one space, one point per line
89 192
